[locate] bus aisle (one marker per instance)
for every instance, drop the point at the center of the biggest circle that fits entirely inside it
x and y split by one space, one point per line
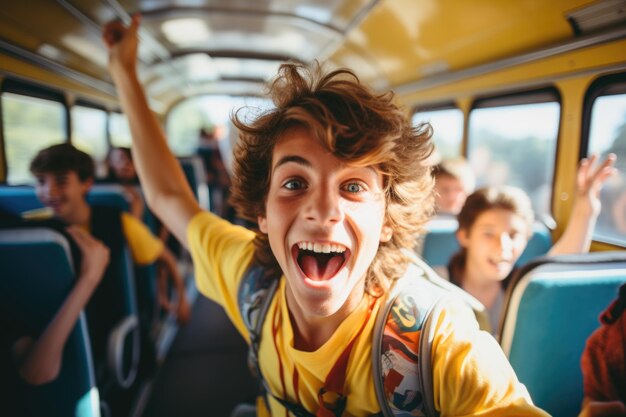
205 370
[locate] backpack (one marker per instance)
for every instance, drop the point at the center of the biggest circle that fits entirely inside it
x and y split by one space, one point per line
403 333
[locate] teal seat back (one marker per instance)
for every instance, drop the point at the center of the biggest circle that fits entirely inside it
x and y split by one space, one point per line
551 308
18 199
538 245
37 275
440 243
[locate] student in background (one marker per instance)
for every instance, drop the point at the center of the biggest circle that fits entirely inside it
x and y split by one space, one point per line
495 225
39 359
454 181
121 170
603 364
217 176
64 175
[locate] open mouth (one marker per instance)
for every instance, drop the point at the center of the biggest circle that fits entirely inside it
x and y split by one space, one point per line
320 261
500 264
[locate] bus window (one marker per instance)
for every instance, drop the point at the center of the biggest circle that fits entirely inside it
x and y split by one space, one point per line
119 131
447 129
512 141
211 113
607 133
30 124
89 131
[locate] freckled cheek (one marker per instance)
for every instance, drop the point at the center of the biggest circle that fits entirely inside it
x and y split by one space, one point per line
368 214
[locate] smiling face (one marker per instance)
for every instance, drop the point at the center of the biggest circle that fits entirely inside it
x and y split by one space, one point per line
63 192
450 194
324 220
494 243
122 165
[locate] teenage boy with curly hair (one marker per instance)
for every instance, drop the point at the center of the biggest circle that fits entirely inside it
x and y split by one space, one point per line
333 175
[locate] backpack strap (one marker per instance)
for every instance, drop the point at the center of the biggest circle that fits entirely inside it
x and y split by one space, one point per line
254 296
403 336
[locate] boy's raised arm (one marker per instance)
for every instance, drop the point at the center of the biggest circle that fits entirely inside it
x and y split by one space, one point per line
167 191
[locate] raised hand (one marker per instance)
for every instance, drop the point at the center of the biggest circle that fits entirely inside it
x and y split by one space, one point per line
122 42
95 255
589 180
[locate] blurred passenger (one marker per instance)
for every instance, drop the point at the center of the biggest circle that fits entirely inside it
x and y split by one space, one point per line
495 225
217 176
454 181
64 176
34 357
37 358
604 364
121 170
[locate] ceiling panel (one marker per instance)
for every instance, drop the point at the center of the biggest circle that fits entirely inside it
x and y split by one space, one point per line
238 44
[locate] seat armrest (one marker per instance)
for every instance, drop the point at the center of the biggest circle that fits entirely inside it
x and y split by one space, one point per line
127 327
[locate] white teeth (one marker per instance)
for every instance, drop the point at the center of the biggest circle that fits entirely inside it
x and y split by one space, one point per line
321 247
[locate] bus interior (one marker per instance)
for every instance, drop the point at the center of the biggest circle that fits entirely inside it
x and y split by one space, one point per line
522 89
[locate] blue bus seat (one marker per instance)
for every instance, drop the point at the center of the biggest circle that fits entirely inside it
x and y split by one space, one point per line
18 199
552 306
439 242
538 245
32 292
193 167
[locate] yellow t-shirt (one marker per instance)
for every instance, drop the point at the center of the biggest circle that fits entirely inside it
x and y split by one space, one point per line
144 247
471 375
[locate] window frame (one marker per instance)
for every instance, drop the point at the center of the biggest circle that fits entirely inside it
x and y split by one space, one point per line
110 113
16 86
607 85
446 105
541 94
88 104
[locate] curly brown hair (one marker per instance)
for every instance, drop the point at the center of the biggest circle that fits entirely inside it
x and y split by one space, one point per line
358 127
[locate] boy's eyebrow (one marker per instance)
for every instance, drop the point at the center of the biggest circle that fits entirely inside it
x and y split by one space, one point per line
303 161
292 158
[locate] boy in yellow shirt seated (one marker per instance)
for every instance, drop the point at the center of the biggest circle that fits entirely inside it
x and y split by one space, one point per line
334 177
64 175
